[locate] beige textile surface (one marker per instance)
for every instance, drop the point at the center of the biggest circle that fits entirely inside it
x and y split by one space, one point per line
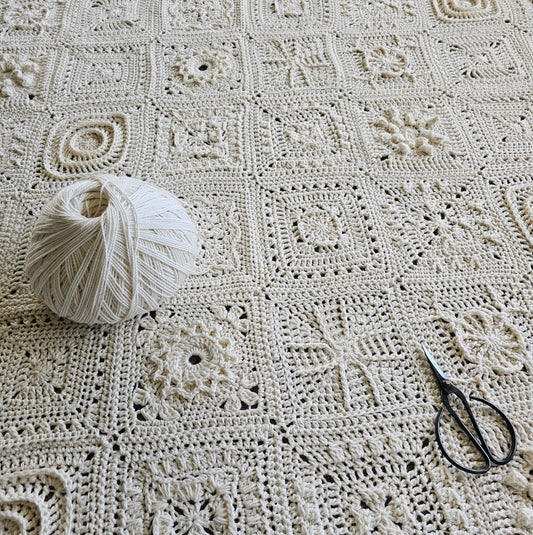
360 173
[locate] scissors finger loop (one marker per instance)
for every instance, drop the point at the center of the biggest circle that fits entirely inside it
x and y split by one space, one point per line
481 470
510 428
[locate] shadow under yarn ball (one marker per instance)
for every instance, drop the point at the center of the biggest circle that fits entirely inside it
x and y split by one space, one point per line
108 248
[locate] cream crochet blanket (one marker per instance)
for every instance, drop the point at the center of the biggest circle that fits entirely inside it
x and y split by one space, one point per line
360 173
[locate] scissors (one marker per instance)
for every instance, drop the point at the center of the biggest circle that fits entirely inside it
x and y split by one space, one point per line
446 389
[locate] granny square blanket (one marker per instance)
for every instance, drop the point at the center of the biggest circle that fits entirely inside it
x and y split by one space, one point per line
361 176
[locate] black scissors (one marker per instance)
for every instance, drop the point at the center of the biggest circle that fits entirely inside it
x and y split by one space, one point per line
446 389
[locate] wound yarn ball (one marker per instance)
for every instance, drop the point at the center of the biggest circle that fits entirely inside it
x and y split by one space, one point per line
108 248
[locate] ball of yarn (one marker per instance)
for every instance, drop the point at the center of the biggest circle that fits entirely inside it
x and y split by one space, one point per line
108 248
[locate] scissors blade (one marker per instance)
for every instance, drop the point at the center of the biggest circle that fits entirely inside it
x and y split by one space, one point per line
437 370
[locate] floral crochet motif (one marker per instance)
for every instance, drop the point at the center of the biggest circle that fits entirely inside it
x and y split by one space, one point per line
205 67
298 62
200 14
386 62
409 132
382 511
26 14
192 361
489 340
320 227
196 508
16 73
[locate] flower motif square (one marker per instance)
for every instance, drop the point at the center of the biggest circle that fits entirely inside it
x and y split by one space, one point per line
190 15
320 237
25 19
56 376
291 14
204 359
339 356
480 330
413 134
385 63
199 67
444 226
200 140
103 71
24 76
480 61
296 63
295 133
383 15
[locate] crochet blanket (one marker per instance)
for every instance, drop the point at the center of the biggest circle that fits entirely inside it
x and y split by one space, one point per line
360 173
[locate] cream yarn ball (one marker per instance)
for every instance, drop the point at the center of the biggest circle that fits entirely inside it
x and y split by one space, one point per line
108 248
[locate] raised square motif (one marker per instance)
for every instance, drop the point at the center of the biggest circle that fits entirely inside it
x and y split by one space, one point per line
394 62
95 18
478 329
201 360
201 140
474 62
26 21
503 127
217 481
57 379
319 236
459 11
295 132
414 134
25 74
339 478
295 63
443 225
339 355
102 71
79 144
196 67
291 14
191 15
372 15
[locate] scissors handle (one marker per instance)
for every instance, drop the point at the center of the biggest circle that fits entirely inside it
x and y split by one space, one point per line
478 441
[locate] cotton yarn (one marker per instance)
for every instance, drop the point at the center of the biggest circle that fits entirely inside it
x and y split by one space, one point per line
108 248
